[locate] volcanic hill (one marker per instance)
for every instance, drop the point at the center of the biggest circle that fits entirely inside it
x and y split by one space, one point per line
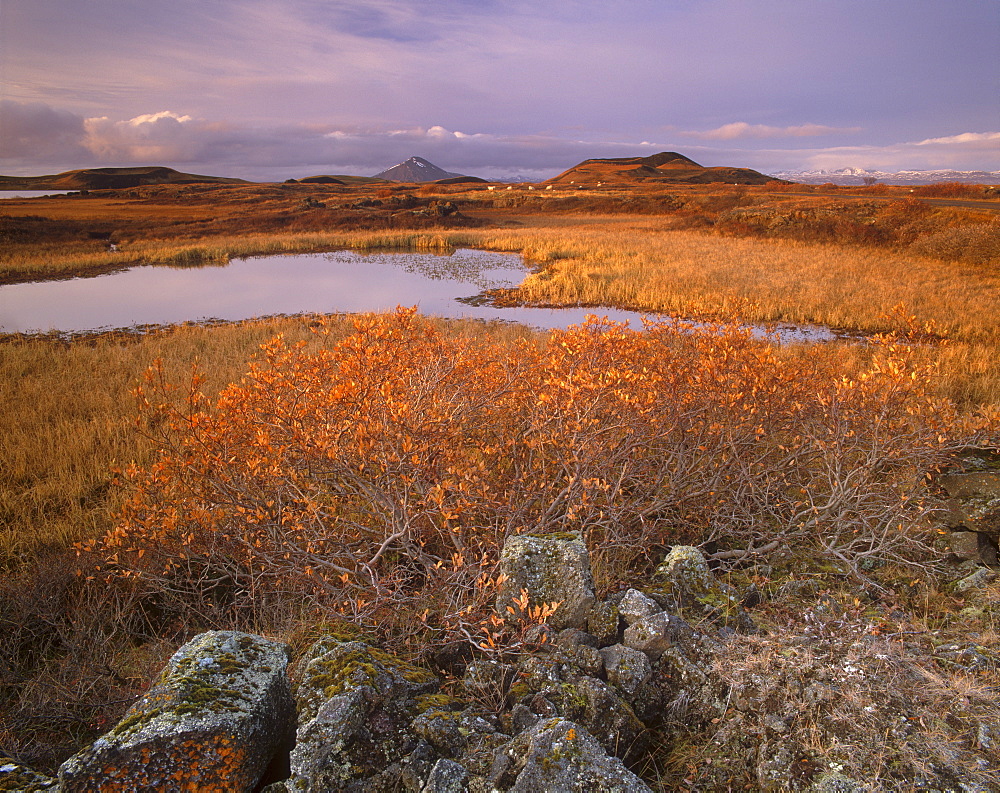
110 179
417 169
667 167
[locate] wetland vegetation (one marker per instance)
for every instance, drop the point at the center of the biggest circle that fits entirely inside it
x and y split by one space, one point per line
121 508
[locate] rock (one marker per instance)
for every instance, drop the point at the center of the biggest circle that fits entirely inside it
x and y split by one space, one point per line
835 782
587 659
447 776
685 577
560 690
558 755
603 623
17 777
973 500
213 720
550 569
964 544
574 637
978 546
650 635
355 706
635 606
627 668
683 691
977 580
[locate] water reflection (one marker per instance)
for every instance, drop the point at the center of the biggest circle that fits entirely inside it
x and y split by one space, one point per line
341 281
31 193
322 283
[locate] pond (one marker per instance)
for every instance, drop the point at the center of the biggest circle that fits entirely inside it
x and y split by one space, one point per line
31 193
449 286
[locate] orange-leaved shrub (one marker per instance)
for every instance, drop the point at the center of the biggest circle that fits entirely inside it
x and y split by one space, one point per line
385 470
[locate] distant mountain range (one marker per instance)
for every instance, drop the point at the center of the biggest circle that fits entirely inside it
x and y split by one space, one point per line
858 176
417 169
110 179
667 167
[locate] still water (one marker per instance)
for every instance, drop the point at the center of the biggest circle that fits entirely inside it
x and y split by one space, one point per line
30 193
322 283
326 283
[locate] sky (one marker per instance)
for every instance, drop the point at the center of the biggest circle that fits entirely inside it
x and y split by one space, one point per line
276 89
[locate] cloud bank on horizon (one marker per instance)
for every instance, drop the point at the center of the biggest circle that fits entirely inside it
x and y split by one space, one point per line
273 89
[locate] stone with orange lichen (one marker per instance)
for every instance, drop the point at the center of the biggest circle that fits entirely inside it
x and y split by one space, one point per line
212 721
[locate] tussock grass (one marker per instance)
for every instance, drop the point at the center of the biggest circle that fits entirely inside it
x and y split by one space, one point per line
68 418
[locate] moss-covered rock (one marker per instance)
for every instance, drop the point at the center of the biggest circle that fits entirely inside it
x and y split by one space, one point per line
685 578
213 720
20 778
627 668
603 623
355 707
551 570
559 755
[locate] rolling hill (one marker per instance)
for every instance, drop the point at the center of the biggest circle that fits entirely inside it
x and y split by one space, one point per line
667 167
110 179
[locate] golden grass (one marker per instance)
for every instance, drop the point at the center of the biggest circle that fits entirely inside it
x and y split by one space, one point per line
67 407
68 413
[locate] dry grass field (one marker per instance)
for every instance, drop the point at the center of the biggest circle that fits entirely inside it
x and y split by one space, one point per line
919 266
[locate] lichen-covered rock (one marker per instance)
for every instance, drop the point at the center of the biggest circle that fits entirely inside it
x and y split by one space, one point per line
835 782
627 668
355 706
977 580
550 569
557 683
973 499
635 606
685 577
651 635
447 776
17 777
557 755
964 544
213 721
603 623
683 691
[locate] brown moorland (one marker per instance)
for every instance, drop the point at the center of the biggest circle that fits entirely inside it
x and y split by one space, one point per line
78 644
664 168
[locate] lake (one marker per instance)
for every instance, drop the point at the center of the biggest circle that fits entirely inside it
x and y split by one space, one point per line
318 283
322 283
31 193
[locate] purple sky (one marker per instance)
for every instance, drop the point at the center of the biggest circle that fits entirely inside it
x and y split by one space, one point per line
275 89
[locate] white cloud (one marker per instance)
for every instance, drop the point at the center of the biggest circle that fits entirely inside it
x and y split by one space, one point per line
968 151
741 129
37 139
989 138
150 137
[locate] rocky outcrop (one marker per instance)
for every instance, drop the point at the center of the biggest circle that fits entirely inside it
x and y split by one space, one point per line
214 719
559 755
355 707
972 507
550 570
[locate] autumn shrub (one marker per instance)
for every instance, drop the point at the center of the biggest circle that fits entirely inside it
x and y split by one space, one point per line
381 473
972 244
948 190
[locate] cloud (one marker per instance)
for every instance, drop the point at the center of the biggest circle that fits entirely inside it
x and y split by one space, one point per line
35 130
991 139
40 139
967 151
741 129
150 137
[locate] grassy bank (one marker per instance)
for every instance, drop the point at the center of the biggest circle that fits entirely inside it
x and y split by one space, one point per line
69 418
